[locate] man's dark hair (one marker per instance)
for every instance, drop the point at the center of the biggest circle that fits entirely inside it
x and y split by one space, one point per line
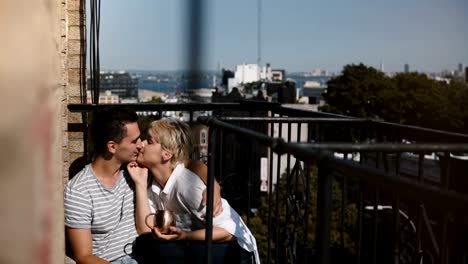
108 124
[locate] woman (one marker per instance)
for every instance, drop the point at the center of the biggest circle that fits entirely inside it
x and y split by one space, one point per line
179 190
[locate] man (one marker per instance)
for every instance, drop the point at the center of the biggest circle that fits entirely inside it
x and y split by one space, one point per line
99 200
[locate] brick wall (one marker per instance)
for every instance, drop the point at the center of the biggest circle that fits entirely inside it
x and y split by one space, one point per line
75 53
74 74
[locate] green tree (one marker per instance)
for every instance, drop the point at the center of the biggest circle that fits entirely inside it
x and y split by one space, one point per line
356 92
418 100
454 116
156 100
407 98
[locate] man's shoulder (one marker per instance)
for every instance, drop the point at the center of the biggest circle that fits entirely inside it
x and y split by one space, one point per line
81 178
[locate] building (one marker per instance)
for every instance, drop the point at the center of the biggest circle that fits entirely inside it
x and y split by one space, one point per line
247 73
278 75
106 97
226 75
282 92
202 95
466 74
313 91
120 83
200 142
317 72
407 69
460 69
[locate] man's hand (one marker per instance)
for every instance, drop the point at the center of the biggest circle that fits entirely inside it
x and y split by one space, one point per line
138 173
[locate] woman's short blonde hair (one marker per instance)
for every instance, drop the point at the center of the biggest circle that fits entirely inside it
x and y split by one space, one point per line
174 137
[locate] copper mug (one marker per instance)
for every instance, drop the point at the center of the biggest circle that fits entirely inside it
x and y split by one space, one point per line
162 220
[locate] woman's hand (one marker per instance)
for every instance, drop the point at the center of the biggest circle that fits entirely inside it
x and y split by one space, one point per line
176 234
138 174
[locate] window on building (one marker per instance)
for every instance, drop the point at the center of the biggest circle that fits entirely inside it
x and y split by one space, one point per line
203 137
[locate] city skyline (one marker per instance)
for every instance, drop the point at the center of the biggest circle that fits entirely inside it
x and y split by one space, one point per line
298 36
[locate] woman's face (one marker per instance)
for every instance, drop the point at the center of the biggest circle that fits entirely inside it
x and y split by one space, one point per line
152 154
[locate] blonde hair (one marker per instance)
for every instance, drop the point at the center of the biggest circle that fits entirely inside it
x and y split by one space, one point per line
174 137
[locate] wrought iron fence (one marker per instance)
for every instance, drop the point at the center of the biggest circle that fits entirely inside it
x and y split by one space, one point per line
338 188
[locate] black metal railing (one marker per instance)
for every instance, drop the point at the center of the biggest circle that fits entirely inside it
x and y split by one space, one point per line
339 188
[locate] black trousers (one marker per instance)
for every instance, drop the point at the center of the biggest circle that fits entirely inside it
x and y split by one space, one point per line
147 250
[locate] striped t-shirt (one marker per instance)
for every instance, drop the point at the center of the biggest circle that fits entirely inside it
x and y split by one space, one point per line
108 212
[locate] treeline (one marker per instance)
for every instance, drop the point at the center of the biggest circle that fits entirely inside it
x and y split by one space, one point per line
406 98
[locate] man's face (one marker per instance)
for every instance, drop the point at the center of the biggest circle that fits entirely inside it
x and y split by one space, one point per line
127 150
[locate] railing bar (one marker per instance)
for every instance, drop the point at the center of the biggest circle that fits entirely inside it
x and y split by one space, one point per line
300 112
306 210
296 181
429 230
307 188
343 211
288 161
222 135
385 161
270 188
408 129
263 139
360 217
343 207
324 206
288 171
420 167
396 212
299 125
397 226
446 179
278 169
375 224
212 156
317 133
386 147
250 184
397 163
377 159
444 198
444 246
444 253
240 106
296 119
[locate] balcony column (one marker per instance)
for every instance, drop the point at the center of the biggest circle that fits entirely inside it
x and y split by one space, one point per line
324 208
213 159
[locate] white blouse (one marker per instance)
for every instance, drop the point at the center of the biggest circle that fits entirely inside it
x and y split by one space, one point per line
183 195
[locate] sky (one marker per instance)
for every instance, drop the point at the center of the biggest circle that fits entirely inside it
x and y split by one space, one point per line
296 35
